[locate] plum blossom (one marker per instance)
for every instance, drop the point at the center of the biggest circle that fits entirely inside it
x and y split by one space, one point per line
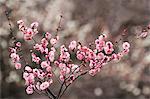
47 35
44 64
18 44
18 65
44 42
51 56
48 68
53 41
44 85
29 33
64 54
73 45
92 72
29 90
29 69
15 57
34 25
126 45
35 58
75 68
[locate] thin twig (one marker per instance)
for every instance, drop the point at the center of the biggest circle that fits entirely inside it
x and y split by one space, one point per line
51 93
71 83
59 25
10 26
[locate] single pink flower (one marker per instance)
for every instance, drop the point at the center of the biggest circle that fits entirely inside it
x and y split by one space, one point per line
44 64
18 44
48 35
73 45
29 69
92 72
53 41
44 42
29 90
44 85
18 65
51 56
126 45
34 25
48 68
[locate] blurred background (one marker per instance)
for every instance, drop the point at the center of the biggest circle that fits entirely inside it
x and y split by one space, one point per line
83 20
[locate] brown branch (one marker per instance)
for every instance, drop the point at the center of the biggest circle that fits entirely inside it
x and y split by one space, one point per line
59 25
71 83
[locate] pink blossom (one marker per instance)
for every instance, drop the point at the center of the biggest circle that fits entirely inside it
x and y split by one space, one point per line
44 85
109 44
18 44
28 35
29 90
80 55
41 75
126 51
44 42
100 43
25 75
116 56
65 71
34 25
22 26
100 56
126 45
37 46
18 65
27 68
92 72
73 45
50 81
44 64
62 65
38 85
15 57
75 68
35 72
51 56
13 50
61 77
48 68
42 50
53 41
49 75
108 50
53 49
29 78
48 35
64 56
46 50
20 22
35 58
57 37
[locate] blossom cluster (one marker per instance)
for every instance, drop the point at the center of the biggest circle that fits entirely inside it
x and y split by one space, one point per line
15 56
90 60
28 32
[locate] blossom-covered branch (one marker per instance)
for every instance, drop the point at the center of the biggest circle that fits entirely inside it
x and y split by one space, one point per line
40 78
